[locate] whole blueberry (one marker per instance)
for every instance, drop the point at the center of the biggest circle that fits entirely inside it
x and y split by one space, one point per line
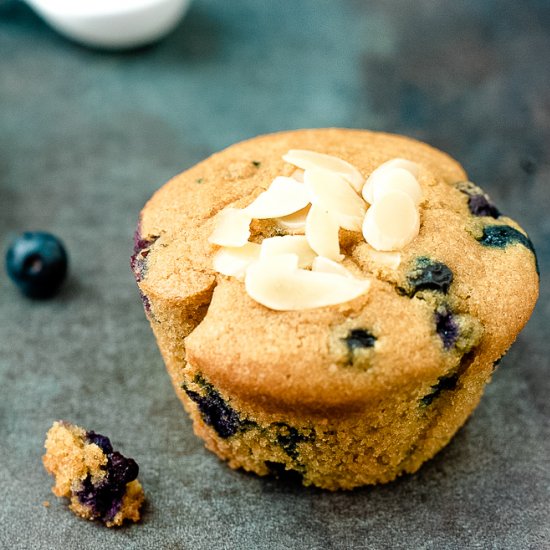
37 264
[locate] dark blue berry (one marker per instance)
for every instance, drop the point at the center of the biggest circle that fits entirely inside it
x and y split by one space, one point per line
215 411
138 262
480 205
37 263
429 275
146 302
359 338
121 470
501 236
101 441
443 383
446 327
479 202
105 497
96 497
289 437
138 259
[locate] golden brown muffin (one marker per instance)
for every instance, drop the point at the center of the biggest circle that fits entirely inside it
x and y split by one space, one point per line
349 394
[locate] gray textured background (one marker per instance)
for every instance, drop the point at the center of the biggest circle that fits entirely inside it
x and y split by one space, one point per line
85 139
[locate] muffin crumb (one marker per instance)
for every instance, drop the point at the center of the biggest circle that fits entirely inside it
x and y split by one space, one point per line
100 482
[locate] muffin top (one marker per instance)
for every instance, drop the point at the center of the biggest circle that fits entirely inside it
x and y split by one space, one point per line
460 288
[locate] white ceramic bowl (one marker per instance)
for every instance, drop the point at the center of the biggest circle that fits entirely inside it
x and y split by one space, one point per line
112 24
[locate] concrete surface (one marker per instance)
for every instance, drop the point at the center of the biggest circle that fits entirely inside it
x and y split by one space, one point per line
85 139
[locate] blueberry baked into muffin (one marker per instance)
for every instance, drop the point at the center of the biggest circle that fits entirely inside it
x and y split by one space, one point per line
100 482
331 303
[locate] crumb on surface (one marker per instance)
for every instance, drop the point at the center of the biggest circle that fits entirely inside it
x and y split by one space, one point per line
100 483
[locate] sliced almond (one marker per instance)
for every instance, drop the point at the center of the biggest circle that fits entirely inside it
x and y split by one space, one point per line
322 233
288 244
298 175
392 222
277 283
310 159
294 222
404 164
391 260
325 265
334 194
396 179
284 196
352 223
235 261
232 228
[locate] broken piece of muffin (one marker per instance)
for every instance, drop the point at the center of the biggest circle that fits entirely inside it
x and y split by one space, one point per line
100 482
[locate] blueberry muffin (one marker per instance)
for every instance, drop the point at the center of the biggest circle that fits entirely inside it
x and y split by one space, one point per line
331 303
100 482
